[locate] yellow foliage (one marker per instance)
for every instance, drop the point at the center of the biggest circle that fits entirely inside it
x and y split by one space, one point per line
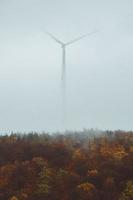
119 155
87 187
14 198
78 154
118 151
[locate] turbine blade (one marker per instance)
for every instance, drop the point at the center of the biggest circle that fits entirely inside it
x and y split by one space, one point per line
81 37
54 38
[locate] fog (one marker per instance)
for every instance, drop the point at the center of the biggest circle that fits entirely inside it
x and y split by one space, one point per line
99 67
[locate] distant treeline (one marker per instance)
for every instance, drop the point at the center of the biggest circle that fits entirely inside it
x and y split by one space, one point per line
84 165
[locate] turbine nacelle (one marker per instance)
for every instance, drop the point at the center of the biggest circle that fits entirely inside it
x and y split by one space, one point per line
63 45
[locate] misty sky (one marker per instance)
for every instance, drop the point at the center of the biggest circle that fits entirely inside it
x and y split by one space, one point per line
99 67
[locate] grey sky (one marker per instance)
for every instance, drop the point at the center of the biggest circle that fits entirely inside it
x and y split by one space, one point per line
99 68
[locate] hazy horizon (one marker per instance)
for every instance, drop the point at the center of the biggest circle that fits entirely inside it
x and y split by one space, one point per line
99 67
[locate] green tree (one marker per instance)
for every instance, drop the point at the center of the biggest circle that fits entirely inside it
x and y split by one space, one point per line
127 194
44 184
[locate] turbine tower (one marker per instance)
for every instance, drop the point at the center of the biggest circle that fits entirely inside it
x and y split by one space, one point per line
63 74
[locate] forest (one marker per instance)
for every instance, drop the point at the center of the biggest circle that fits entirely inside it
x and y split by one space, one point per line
80 165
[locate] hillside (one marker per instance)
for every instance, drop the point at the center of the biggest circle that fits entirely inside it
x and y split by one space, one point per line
86 165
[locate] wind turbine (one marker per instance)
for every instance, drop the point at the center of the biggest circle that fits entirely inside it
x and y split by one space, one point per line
63 46
63 74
